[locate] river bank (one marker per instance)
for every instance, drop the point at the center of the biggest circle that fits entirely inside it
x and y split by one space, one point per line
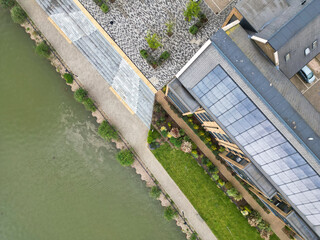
139 167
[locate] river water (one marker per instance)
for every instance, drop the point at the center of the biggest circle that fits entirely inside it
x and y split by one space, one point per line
58 179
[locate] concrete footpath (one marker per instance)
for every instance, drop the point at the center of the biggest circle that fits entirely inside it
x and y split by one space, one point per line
275 223
129 125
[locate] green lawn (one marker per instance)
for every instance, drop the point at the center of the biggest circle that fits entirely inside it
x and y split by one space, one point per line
221 215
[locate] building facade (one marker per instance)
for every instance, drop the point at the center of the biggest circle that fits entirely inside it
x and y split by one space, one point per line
244 102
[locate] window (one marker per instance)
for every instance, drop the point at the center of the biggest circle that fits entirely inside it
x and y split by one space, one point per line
287 58
306 51
314 44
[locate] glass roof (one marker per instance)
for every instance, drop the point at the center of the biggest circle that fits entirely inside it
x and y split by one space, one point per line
262 141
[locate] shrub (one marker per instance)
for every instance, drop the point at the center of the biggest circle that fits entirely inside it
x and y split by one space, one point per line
228 185
80 95
203 18
186 147
213 169
215 177
43 49
221 149
193 10
98 2
205 160
125 157
153 40
196 127
7 3
169 213
164 56
177 142
155 192
221 183
235 194
18 15
169 28
105 8
193 29
214 147
89 105
175 132
106 131
182 133
68 77
144 53
153 135
194 236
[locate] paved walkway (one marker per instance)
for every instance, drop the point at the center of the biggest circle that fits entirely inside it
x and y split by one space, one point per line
275 222
130 126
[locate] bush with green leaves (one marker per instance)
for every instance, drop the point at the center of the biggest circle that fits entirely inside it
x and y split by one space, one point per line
235 194
153 135
153 40
43 49
192 10
169 213
68 77
99 2
193 29
80 95
104 7
213 169
176 141
7 3
164 56
107 132
144 53
155 192
170 26
125 157
228 185
89 104
18 15
215 177
205 160
194 236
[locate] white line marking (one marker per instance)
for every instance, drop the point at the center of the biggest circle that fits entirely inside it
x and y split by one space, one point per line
216 5
311 85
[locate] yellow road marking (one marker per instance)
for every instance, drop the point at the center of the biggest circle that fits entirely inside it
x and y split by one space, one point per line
59 30
121 100
117 48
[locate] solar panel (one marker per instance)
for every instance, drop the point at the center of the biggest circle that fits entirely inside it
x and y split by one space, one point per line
257 135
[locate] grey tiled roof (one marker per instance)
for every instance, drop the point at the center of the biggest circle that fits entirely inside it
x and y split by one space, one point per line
100 53
291 21
258 12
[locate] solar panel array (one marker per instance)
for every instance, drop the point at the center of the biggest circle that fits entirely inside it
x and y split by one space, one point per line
261 140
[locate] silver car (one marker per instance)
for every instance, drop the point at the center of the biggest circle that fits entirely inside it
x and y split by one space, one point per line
306 74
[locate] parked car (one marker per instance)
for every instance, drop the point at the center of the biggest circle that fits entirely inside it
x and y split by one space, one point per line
306 74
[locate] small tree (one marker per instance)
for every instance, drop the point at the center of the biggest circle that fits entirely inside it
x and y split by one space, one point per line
43 49
155 192
68 77
170 26
193 10
80 95
106 131
105 8
153 40
18 15
169 213
89 105
7 3
125 157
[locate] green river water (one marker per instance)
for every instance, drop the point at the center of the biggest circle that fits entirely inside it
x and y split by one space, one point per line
58 179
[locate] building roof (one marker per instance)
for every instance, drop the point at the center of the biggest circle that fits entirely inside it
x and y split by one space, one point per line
256 116
292 20
260 12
